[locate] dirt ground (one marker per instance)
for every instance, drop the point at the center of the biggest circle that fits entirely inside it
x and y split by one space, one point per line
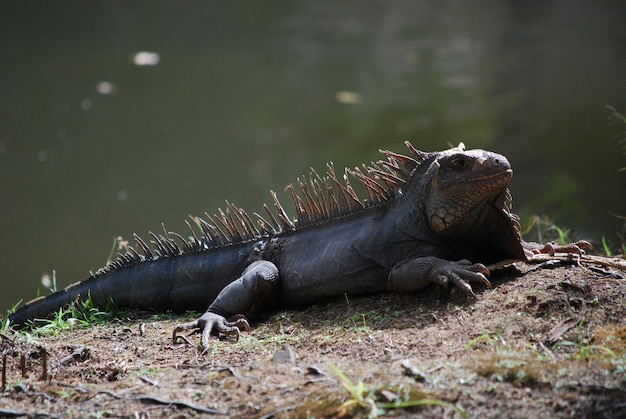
548 343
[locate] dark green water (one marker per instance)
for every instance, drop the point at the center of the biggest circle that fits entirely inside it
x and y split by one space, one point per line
246 96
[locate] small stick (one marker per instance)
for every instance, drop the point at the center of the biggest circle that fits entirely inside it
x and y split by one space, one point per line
4 372
44 363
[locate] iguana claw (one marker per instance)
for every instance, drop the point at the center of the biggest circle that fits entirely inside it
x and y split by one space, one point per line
414 274
461 274
213 324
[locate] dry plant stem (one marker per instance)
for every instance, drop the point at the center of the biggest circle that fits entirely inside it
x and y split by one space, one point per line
44 363
609 262
616 263
4 372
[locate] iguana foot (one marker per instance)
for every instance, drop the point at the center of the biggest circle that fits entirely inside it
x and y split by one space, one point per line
213 324
460 274
414 274
577 248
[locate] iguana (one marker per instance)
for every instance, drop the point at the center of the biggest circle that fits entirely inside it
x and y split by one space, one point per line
429 217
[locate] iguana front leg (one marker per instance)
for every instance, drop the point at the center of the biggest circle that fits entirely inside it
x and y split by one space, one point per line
415 274
255 287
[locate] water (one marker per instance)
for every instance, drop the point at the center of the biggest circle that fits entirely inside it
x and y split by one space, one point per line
231 100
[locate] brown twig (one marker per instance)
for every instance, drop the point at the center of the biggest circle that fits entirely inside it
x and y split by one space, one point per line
80 353
23 365
616 263
4 372
44 363
179 403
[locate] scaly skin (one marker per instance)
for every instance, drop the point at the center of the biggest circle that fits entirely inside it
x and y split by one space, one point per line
445 215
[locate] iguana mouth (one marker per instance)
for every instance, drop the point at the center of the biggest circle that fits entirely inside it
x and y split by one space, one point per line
505 173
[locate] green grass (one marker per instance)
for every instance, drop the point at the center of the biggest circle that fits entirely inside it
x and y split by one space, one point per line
368 398
621 138
606 247
5 325
493 339
81 314
546 230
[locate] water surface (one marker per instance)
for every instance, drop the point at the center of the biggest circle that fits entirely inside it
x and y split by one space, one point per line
235 99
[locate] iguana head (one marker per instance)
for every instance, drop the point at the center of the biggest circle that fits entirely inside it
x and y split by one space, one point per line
464 188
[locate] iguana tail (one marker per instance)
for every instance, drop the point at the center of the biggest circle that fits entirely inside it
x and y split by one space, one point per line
184 282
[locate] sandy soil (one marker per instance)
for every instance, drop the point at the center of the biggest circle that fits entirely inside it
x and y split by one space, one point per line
548 343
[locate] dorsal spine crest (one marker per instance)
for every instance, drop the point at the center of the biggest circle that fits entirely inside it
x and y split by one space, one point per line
320 199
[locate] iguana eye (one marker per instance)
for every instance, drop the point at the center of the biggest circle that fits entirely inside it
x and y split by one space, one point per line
459 162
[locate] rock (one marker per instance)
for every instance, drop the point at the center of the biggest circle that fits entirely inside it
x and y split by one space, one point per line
285 355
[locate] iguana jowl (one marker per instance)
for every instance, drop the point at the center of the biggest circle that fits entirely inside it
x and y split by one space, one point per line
433 217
